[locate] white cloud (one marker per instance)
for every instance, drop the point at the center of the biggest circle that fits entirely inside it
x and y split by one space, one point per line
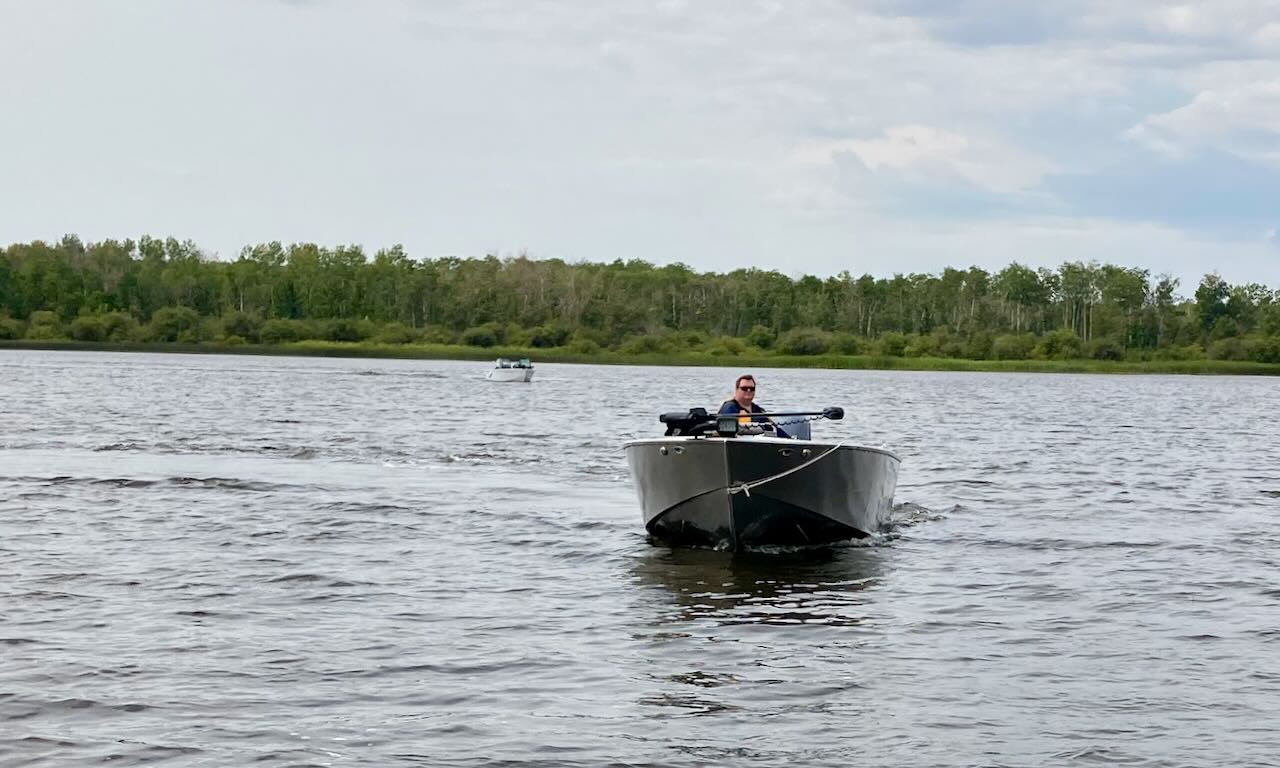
1181 19
1231 24
1240 118
931 155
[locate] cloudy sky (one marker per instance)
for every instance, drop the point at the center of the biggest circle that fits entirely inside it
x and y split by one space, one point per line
807 136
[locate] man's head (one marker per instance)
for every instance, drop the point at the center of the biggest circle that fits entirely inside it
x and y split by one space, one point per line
745 389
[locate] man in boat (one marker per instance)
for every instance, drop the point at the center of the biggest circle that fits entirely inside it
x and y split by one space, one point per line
744 402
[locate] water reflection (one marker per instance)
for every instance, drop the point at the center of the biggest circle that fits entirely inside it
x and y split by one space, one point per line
826 586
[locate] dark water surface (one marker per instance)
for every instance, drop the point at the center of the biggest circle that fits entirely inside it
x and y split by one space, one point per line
214 560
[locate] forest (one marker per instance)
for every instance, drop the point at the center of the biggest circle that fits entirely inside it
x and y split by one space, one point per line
158 291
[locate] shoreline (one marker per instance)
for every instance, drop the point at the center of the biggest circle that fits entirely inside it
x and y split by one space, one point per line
553 355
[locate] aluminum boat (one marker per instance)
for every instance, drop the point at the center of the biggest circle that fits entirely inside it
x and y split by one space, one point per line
510 370
713 482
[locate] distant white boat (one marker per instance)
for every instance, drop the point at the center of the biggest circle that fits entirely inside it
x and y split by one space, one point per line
511 370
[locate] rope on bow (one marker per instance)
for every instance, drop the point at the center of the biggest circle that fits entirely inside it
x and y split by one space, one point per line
745 488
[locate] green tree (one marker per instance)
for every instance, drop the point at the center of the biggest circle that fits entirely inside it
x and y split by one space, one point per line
174 324
1211 300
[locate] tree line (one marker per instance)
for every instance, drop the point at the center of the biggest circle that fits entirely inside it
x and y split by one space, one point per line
169 290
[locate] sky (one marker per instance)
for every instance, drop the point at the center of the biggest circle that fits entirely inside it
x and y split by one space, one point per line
804 136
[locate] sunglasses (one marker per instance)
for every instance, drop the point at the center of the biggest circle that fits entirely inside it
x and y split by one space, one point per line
747 389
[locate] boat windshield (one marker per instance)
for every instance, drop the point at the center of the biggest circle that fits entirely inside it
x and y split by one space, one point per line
799 430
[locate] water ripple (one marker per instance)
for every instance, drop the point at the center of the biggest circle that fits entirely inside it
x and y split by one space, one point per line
220 561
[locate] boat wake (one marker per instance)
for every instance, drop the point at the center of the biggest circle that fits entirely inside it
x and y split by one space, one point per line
218 483
907 514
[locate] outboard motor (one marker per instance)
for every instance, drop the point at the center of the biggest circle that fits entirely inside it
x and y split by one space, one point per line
694 421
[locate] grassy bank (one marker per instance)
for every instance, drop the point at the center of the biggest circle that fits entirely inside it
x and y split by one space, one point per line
744 361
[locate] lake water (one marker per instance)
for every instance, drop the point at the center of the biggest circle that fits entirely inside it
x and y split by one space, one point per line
218 560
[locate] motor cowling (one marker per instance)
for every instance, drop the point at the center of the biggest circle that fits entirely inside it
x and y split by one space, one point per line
694 421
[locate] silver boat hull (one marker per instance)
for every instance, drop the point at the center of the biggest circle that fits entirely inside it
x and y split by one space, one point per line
761 491
509 374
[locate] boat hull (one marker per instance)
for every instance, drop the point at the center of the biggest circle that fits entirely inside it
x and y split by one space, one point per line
747 492
510 374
